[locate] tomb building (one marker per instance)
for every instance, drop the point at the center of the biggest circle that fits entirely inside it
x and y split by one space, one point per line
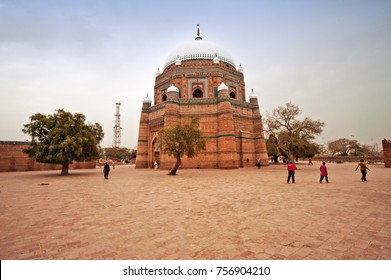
201 80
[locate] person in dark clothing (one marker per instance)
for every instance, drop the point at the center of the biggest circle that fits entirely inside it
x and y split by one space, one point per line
106 170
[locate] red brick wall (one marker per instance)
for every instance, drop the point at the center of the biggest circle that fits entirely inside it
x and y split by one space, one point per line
13 159
232 127
387 152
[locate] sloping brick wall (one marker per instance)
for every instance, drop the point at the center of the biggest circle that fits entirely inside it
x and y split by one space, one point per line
13 159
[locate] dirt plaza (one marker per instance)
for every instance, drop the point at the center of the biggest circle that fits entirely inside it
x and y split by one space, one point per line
245 213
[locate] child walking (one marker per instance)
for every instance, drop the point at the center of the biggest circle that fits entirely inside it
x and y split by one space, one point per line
363 168
106 170
323 173
291 172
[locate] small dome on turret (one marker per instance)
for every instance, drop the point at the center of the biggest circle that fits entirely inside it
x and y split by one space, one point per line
146 99
216 59
173 88
240 69
178 61
222 86
158 72
252 94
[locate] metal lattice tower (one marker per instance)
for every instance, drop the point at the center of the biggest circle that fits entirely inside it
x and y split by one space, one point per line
117 127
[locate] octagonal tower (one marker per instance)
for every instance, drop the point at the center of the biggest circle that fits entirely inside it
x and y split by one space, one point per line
201 80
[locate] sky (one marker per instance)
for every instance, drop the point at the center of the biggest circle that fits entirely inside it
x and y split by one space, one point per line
331 58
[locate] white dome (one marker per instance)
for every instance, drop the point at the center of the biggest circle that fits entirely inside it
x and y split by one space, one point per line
172 88
146 99
198 49
252 94
222 86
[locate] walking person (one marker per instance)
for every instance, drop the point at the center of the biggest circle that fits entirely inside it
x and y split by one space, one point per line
323 173
310 161
106 170
363 168
291 172
258 162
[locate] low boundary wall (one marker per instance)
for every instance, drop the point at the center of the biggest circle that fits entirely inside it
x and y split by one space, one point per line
13 159
340 159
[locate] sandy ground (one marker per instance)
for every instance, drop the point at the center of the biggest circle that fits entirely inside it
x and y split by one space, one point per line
245 213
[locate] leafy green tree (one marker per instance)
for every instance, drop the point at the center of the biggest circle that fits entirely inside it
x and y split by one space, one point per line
62 138
183 139
308 149
289 135
133 154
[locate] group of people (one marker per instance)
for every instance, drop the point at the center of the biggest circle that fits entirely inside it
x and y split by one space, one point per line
323 171
290 166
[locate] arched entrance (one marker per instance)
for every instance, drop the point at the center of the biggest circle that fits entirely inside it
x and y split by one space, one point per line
155 152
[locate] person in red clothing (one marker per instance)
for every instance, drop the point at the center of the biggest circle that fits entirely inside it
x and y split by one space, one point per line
291 172
323 173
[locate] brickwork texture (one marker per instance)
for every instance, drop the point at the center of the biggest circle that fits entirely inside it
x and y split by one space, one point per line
13 159
231 126
387 152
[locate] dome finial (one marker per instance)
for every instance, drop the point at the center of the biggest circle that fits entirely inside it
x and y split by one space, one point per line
198 37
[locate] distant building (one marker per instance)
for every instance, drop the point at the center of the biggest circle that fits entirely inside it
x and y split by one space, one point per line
201 80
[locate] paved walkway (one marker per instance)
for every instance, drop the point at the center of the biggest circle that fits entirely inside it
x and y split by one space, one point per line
198 214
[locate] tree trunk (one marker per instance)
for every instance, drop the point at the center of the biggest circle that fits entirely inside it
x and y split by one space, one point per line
176 166
64 169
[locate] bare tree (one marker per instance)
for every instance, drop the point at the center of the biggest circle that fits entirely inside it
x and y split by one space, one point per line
289 134
346 147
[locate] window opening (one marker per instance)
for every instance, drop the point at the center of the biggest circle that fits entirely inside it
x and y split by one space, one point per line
198 93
